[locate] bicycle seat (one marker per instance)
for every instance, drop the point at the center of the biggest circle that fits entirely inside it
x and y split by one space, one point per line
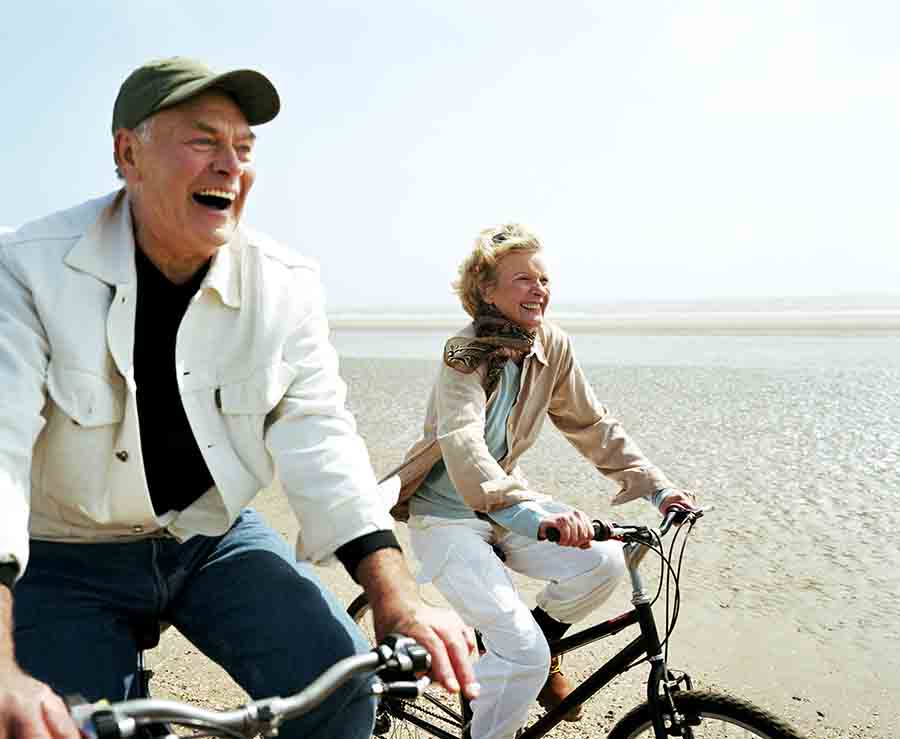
146 631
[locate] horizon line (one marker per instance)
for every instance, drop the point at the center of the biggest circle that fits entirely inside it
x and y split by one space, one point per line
674 323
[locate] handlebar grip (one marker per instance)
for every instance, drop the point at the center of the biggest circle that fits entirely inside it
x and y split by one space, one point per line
602 532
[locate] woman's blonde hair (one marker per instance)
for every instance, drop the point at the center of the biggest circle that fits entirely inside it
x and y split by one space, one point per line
479 269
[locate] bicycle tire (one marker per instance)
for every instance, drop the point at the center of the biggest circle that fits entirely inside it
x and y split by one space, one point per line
710 716
400 717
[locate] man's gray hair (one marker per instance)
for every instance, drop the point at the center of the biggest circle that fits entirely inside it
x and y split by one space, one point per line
143 131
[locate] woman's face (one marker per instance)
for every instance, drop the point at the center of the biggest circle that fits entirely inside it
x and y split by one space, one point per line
522 290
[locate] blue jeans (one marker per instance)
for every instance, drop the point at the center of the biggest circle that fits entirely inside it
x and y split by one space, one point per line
241 598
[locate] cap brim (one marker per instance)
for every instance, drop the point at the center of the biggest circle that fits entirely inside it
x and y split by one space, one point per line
254 94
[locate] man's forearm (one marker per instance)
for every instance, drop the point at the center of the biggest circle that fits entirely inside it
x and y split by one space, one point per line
389 585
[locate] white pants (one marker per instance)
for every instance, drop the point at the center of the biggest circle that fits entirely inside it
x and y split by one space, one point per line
456 556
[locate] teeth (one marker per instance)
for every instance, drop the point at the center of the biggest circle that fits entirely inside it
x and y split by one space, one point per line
218 194
531 306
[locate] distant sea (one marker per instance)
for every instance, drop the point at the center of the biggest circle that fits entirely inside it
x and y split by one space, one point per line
772 332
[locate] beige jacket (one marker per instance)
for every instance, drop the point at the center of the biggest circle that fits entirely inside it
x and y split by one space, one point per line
552 385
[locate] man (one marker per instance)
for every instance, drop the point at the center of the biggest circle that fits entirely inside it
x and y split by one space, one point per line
159 364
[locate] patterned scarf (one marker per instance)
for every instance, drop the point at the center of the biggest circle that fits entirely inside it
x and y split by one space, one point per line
497 340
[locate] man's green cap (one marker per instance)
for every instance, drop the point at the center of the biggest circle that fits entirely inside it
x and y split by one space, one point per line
163 83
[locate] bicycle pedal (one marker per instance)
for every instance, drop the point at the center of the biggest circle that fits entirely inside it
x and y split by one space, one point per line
383 723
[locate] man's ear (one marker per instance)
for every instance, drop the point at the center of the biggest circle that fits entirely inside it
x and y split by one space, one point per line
124 143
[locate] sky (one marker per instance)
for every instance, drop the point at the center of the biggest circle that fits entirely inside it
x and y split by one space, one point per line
661 150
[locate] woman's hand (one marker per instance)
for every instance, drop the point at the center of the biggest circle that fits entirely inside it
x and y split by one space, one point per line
575 528
682 498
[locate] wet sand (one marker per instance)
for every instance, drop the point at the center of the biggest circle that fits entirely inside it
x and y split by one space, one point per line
791 583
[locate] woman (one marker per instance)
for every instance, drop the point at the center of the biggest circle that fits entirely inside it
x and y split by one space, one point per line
465 496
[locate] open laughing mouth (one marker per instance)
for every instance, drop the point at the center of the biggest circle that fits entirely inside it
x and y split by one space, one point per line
217 199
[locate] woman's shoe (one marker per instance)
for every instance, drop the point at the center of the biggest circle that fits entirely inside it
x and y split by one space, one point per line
555 689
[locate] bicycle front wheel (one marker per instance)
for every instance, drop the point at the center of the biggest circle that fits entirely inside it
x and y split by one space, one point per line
433 714
708 716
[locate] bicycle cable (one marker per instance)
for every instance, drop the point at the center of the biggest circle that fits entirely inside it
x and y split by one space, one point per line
672 576
658 550
676 576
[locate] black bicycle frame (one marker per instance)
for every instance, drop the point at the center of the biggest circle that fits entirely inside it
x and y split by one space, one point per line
423 724
646 643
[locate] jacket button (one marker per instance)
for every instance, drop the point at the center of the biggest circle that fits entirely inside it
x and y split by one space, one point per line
122 456
137 529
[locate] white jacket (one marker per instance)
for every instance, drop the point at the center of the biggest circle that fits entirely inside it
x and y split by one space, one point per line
257 375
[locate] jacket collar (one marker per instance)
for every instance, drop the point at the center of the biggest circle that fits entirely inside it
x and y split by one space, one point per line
224 274
106 251
537 348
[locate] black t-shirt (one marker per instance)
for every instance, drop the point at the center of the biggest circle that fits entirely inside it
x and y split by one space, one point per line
176 472
175 469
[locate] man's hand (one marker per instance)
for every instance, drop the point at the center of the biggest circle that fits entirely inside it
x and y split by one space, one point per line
397 608
31 710
682 498
28 708
442 632
575 528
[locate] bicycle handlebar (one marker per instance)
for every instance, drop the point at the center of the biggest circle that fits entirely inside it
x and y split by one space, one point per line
606 530
396 656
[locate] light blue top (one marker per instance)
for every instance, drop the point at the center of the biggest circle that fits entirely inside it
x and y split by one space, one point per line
437 496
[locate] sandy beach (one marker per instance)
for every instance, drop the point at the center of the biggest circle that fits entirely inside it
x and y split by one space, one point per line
790 584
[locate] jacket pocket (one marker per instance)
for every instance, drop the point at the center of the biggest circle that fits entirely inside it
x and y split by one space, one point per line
88 399
257 394
248 409
73 453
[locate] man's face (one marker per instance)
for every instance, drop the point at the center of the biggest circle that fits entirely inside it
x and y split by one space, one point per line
190 175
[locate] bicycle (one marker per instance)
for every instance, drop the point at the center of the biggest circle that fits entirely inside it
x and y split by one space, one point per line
672 708
397 660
